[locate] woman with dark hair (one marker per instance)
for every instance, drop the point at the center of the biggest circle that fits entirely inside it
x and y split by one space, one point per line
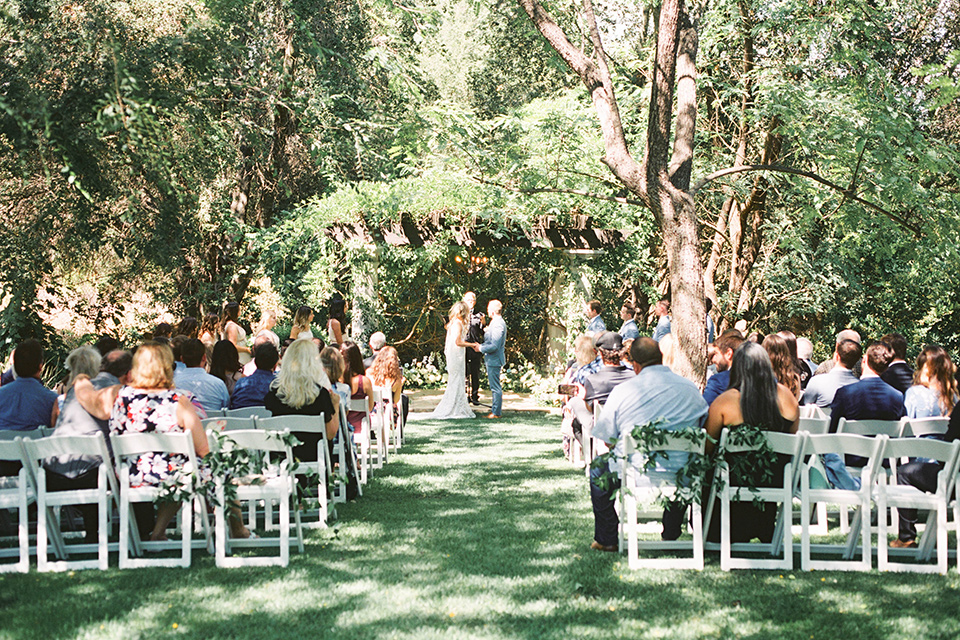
803 372
934 390
231 330
337 323
188 327
784 365
225 364
360 385
754 398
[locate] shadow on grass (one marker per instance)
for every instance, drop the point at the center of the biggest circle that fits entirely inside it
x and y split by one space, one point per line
477 529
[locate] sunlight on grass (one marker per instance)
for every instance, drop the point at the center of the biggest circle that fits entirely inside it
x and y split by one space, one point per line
472 531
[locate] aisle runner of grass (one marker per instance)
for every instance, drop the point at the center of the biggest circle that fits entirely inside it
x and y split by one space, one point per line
476 530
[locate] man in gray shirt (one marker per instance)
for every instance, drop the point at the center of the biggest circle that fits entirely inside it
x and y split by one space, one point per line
822 387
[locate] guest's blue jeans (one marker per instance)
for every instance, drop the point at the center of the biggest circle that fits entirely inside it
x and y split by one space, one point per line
493 378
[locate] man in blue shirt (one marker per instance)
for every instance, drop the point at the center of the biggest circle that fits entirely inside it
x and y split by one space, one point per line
25 403
210 391
629 329
663 324
595 323
656 393
250 391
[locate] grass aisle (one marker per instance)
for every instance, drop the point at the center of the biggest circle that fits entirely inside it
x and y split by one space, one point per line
478 529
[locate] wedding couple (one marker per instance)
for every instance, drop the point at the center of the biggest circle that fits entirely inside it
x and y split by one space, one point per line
454 403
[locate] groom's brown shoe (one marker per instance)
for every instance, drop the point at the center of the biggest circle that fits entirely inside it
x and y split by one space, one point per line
493 416
603 547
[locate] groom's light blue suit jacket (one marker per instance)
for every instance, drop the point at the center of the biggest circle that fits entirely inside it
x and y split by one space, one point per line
494 338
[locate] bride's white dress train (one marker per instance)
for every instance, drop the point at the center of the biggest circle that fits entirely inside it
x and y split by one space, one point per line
454 402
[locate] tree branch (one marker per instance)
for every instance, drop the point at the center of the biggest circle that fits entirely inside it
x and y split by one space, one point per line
812 176
573 192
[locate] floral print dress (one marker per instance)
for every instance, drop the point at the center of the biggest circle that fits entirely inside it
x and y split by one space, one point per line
141 411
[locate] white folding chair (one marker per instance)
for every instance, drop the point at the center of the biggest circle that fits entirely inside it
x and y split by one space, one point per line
841 444
782 494
17 493
322 466
34 453
815 425
363 439
639 488
231 423
900 495
887 474
134 444
248 412
378 430
272 484
924 427
392 415
348 452
815 412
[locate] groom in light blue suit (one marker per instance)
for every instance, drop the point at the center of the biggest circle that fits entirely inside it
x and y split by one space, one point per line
494 337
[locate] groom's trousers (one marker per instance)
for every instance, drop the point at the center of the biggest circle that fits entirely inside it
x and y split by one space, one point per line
493 377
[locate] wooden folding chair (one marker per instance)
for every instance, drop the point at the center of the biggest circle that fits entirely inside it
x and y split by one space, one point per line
134 444
782 494
638 488
900 495
322 465
273 484
106 493
841 444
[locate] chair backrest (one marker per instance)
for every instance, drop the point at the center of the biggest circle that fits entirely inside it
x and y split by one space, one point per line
814 425
889 428
813 411
919 427
215 413
260 440
845 443
42 448
672 442
229 424
308 424
359 404
9 435
10 450
248 412
790 444
922 448
131 444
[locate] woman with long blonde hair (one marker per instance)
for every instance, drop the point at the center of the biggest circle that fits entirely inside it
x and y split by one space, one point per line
301 324
454 403
302 388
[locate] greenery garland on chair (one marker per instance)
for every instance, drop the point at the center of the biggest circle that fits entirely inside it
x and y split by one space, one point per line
755 466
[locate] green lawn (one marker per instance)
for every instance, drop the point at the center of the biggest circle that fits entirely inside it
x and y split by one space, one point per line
478 529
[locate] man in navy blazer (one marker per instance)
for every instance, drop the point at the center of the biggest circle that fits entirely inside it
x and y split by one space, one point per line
494 338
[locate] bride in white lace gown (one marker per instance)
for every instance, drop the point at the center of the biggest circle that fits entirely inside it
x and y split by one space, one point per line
454 402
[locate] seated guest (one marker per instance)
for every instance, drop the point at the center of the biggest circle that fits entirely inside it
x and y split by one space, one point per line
209 391
377 341
821 388
922 474
386 372
25 403
586 360
898 375
252 390
163 330
188 327
869 399
263 336
83 360
804 355
225 363
784 364
105 344
935 391
68 472
333 365
150 404
302 388
802 371
726 344
597 386
176 343
754 398
360 385
655 393
827 365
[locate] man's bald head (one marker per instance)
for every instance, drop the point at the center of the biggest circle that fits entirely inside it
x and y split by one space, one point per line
645 352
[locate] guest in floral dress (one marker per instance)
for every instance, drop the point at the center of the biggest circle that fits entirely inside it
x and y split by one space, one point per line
149 404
